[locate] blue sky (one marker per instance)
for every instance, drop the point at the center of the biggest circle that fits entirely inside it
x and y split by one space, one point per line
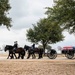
24 13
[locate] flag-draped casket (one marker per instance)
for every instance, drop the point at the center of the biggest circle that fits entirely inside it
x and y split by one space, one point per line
68 49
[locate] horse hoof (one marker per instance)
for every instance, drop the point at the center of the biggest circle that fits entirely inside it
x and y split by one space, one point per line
39 58
27 58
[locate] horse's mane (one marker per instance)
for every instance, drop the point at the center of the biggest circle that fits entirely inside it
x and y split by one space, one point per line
27 46
9 45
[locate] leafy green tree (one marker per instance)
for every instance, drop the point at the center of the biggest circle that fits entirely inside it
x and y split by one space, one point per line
63 12
45 32
48 47
4 19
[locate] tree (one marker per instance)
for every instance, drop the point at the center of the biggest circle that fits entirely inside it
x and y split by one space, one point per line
63 12
45 32
4 19
48 47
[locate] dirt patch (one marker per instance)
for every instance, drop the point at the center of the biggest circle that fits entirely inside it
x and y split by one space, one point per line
37 67
45 66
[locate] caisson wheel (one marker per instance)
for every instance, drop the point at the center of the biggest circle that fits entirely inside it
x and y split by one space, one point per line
52 54
69 55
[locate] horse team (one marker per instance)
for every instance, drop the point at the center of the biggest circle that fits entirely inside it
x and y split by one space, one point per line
22 51
51 54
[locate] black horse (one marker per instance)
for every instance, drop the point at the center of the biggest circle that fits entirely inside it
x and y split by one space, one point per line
32 52
20 51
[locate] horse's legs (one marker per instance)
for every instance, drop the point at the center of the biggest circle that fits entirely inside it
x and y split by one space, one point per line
12 57
18 55
15 55
33 56
22 56
8 56
40 56
28 55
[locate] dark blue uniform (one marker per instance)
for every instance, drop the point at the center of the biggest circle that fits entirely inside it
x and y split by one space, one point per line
33 46
15 46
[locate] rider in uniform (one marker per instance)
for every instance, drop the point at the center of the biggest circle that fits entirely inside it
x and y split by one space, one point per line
33 46
15 46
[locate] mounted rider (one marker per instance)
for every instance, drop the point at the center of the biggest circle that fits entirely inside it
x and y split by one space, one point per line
15 46
33 46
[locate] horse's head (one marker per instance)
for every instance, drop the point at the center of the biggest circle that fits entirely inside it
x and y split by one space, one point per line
8 47
26 47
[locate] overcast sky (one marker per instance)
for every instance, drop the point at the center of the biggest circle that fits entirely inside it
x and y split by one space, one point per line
24 13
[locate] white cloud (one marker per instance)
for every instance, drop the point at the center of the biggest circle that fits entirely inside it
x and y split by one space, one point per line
26 12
